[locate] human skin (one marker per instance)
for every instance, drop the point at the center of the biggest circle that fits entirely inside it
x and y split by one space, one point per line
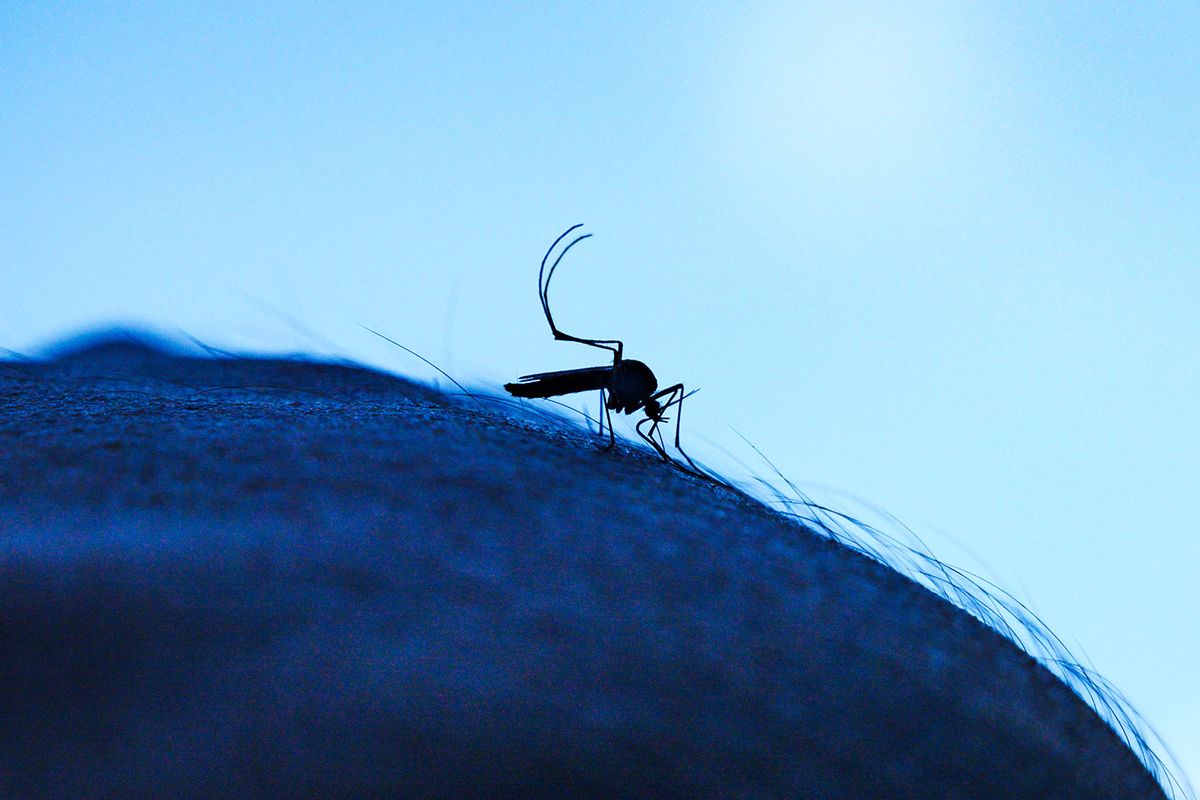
269 578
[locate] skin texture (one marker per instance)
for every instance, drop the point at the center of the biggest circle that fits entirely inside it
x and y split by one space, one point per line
255 578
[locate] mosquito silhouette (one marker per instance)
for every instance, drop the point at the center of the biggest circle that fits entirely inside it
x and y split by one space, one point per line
628 385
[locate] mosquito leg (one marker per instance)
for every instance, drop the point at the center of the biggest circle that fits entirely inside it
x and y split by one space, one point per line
600 412
656 428
612 436
544 277
649 438
661 442
676 396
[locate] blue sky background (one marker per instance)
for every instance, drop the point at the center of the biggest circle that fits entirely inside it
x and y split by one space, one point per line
940 257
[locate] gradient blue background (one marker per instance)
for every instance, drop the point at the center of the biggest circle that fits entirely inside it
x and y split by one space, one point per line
943 257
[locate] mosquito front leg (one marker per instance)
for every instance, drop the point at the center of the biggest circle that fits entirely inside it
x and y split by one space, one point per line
675 396
649 438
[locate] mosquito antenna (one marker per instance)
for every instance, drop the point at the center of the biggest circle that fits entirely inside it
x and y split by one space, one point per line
545 289
427 361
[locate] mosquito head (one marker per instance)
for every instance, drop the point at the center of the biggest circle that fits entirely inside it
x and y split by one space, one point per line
653 409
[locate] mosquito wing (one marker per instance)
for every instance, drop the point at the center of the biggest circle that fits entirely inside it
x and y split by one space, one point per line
567 381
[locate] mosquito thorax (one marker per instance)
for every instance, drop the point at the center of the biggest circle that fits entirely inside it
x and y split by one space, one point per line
632 383
636 373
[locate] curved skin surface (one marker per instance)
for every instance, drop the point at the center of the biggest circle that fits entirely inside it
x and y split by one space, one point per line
254 578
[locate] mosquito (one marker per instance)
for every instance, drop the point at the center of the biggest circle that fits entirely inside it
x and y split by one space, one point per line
628 385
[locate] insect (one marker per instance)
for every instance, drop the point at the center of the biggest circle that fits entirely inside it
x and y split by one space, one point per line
628 385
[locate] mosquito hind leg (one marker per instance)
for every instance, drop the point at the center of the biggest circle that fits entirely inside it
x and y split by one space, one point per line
615 346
